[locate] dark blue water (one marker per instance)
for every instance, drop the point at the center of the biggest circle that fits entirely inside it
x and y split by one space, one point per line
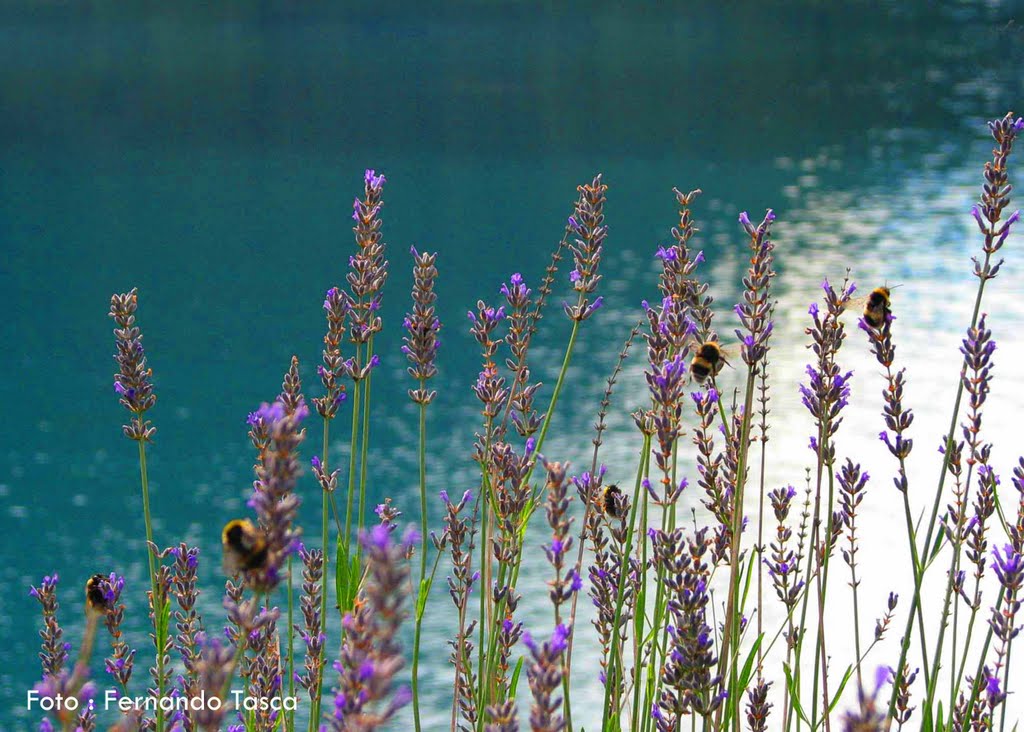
210 157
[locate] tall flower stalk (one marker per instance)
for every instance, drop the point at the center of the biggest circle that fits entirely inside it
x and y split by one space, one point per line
421 344
755 316
368 271
133 384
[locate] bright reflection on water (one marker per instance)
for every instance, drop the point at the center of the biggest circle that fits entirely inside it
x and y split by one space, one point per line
210 161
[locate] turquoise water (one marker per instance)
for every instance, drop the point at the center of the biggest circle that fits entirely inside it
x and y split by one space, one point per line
210 159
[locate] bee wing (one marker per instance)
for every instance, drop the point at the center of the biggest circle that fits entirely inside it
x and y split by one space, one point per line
231 564
692 343
730 351
857 303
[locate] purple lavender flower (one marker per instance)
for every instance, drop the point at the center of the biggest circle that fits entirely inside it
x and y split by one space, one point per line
783 562
511 495
368 267
371 655
867 715
57 681
422 325
758 706
274 498
388 514
502 717
133 382
755 310
262 666
995 196
545 677
1009 568
483 324
521 327
557 511
588 224
187 621
903 709
976 376
122 659
54 653
688 680
666 382
337 304
828 389
312 587
214 667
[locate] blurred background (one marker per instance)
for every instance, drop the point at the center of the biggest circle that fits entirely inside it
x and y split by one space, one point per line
209 157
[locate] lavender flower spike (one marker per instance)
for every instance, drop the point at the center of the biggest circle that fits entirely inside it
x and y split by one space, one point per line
545 676
755 310
337 304
588 224
312 587
274 498
422 325
133 380
371 655
369 268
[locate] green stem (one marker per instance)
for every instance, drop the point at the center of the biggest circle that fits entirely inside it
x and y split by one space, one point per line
315 703
356 393
290 718
365 447
424 589
157 596
638 614
549 414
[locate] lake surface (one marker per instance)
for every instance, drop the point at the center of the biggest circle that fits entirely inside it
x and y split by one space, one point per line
210 157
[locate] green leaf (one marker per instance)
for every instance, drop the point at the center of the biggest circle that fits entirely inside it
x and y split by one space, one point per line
842 685
746 584
940 536
346 578
422 595
794 694
515 678
748 666
163 621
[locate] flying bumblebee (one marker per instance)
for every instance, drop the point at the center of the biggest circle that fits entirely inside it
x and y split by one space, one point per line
709 358
245 547
610 501
876 306
876 309
95 599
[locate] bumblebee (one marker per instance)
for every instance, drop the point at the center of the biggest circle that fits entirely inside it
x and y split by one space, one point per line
876 307
610 501
95 598
708 359
245 546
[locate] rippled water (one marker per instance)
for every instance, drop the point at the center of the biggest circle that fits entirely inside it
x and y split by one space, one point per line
210 160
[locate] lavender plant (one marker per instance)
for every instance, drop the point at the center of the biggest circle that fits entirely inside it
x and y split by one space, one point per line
674 604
